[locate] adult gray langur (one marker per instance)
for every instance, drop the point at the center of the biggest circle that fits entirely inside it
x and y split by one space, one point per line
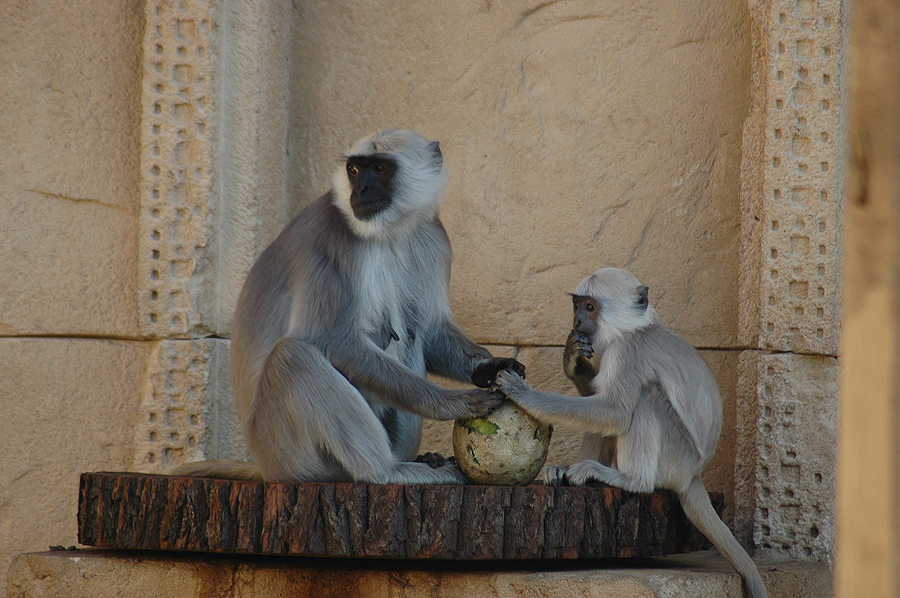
650 407
338 322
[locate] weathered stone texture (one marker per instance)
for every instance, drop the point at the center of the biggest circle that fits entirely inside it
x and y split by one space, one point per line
68 406
786 461
208 209
252 206
177 139
188 411
97 573
69 122
578 136
793 177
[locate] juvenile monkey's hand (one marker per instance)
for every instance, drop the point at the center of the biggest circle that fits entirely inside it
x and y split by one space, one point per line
578 345
472 402
577 362
486 372
511 384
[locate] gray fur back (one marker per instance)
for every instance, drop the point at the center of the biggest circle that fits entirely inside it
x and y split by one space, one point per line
694 397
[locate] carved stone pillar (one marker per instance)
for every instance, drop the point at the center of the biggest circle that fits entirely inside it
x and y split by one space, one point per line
792 183
212 165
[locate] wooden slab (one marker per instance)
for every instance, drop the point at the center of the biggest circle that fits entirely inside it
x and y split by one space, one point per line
133 511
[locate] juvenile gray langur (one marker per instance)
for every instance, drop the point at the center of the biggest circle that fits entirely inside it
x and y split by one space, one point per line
338 322
650 407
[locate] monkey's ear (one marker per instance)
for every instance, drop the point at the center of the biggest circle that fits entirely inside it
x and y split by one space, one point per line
640 298
435 148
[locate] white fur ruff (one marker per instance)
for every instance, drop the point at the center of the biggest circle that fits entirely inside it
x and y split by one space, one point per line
421 190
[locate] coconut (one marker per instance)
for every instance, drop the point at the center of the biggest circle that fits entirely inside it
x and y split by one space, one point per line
506 448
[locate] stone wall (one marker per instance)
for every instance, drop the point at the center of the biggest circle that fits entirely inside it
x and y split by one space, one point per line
72 370
578 136
697 144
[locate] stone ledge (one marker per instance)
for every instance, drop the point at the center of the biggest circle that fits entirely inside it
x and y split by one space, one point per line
131 574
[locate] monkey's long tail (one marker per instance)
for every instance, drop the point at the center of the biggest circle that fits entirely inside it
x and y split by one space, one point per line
698 508
218 468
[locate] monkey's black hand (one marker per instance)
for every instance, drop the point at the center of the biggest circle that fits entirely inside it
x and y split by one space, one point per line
474 402
434 460
486 371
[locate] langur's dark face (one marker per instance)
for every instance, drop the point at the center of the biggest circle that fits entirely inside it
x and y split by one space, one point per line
372 181
587 315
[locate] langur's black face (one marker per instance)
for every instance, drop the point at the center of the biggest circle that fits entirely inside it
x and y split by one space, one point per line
587 315
372 181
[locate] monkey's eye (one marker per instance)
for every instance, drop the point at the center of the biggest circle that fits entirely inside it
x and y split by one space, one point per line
590 306
380 168
352 170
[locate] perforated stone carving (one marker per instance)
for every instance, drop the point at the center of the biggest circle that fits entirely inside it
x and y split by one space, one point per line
188 226
800 207
188 412
176 162
796 451
174 420
792 179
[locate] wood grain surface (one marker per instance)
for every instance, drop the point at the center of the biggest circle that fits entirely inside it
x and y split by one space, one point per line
152 512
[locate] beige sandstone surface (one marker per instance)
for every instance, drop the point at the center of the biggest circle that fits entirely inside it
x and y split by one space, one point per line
578 136
98 573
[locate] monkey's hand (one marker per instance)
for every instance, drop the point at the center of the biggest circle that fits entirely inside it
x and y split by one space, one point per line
486 372
434 460
577 362
470 402
511 384
578 348
582 344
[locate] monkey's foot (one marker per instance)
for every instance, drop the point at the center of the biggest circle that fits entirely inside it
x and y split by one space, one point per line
584 472
458 476
554 475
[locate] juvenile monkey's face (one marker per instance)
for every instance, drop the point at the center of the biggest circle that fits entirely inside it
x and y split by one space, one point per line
609 304
587 315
